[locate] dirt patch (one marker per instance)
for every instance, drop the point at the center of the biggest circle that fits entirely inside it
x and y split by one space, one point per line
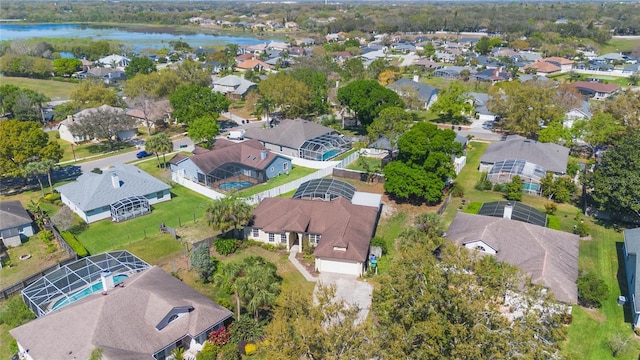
595 314
309 266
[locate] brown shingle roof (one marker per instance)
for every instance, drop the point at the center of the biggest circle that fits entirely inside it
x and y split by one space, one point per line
596 86
122 323
544 67
559 60
339 222
549 256
252 63
246 153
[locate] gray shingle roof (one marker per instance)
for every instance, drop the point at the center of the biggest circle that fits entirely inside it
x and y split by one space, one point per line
632 245
122 323
425 92
290 133
91 191
13 214
549 256
550 156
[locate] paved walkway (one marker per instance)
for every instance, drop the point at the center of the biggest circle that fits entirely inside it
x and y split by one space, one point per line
296 263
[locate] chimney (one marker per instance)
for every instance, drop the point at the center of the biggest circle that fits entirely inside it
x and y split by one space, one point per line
508 210
115 180
107 280
416 78
263 154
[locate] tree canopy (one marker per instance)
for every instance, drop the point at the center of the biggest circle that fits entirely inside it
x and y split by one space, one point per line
293 97
21 103
194 101
24 142
391 123
90 94
103 124
453 106
159 144
228 213
615 182
367 98
204 128
423 165
140 65
66 66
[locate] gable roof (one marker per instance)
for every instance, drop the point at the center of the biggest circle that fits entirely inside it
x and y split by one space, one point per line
91 191
596 86
13 214
90 111
549 256
156 110
122 323
240 85
550 156
339 222
544 67
247 153
252 63
289 133
425 92
632 247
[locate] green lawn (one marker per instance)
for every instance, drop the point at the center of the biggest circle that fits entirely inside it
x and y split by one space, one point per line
54 90
618 45
184 206
296 173
622 81
388 230
374 164
71 152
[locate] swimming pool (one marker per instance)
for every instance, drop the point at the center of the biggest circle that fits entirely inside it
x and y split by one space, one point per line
329 154
84 292
235 185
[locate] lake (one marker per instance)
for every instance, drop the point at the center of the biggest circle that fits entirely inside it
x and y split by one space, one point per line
138 38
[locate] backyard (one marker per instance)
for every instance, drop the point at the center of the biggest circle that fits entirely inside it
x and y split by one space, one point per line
296 172
54 90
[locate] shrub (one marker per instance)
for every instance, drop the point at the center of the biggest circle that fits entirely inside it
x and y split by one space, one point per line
377 241
220 337
250 348
483 183
592 291
499 187
225 246
457 190
71 240
229 352
245 329
64 220
550 208
46 236
203 262
473 208
209 352
53 197
514 189
581 229
553 222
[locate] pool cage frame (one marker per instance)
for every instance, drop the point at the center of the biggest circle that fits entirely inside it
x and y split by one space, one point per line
325 189
231 170
317 147
74 276
129 208
503 172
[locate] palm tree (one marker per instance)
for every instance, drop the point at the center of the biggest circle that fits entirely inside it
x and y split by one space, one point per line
50 165
228 277
36 168
262 286
227 213
160 144
264 106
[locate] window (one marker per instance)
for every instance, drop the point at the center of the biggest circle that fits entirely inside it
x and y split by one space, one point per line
285 166
159 194
272 237
314 239
255 232
283 238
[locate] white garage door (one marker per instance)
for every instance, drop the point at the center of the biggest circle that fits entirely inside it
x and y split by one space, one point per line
341 267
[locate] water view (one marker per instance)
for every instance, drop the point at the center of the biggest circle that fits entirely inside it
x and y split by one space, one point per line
137 38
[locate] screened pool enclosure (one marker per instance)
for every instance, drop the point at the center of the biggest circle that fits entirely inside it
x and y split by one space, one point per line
326 189
503 172
129 208
78 279
324 147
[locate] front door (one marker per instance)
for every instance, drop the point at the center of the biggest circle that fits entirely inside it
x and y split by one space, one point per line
294 239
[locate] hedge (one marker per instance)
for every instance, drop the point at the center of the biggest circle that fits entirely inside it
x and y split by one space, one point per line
553 222
74 243
473 208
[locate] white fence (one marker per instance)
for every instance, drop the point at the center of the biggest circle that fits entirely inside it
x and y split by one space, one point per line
282 189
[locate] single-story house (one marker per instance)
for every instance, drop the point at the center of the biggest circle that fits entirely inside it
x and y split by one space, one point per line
246 163
108 75
543 67
233 86
426 94
15 223
339 230
64 127
492 75
552 157
582 111
301 138
120 193
144 316
564 63
549 257
632 267
596 90
156 111
451 72
253 64
480 101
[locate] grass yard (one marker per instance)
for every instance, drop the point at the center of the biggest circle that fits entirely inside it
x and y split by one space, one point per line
184 207
71 152
20 269
618 45
374 164
54 90
621 81
388 230
296 173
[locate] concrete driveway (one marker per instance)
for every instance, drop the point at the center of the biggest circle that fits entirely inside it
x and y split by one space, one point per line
351 290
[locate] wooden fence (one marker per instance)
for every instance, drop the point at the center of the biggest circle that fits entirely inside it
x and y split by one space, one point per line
358 175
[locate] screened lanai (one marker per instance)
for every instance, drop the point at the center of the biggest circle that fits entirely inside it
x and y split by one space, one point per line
327 189
78 279
231 172
129 208
503 172
324 147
